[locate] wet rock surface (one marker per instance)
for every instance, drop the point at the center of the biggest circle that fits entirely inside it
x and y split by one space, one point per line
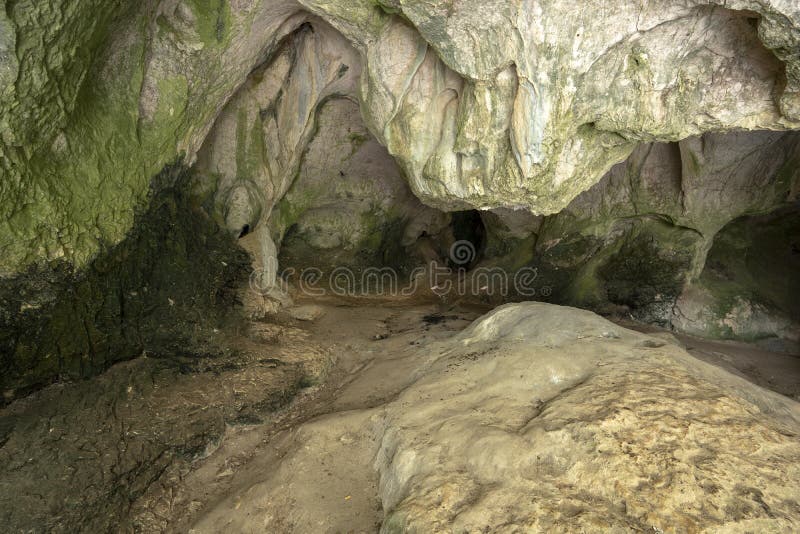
164 291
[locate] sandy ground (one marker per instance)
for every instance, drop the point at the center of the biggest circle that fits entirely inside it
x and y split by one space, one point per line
373 345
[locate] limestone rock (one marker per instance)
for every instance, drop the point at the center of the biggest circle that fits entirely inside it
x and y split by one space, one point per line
506 104
306 313
290 160
640 238
535 418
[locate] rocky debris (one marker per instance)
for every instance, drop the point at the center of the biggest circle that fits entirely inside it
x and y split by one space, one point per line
308 312
539 417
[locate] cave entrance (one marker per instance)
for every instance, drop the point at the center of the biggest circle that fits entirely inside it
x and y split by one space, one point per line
469 235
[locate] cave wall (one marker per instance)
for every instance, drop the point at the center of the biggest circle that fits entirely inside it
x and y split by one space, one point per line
164 292
592 140
483 105
749 287
646 240
290 167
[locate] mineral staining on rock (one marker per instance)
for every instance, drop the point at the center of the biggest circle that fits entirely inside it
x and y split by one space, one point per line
126 89
749 287
610 147
529 106
510 105
141 297
638 241
514 104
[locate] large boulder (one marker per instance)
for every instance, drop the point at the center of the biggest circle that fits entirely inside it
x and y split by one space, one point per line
539 417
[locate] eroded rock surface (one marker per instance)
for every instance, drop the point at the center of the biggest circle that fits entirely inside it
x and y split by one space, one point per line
639 241
516 104
287 109
291 161
540 417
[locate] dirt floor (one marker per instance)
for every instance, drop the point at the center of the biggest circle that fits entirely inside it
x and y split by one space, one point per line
373 347
149 447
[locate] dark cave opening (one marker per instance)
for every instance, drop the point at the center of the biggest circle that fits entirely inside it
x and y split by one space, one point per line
469 231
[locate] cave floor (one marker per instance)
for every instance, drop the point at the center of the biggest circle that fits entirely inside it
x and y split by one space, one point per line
185 451
373 349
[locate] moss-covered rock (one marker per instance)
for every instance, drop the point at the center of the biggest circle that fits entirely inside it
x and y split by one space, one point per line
749 288
162 291
105 94
480 106
638 240
349 205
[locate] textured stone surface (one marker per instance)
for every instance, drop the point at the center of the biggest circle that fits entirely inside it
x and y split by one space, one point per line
639 239
539 417
486 105
290 160
530 103
512 105
165 291
748 288
106 94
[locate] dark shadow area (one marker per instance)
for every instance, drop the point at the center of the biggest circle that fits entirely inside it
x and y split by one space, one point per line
160 292
469 226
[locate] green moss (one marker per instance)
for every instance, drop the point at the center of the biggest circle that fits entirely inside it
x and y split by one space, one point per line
389 10
213 20
291 208
85 156
507 253
649 268
755 260
257 153
173 98
357 140
139 296
381 246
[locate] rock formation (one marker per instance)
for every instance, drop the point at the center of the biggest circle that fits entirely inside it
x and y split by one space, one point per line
639 157
536 418
514 104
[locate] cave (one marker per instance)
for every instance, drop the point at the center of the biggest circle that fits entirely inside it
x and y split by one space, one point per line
399 266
